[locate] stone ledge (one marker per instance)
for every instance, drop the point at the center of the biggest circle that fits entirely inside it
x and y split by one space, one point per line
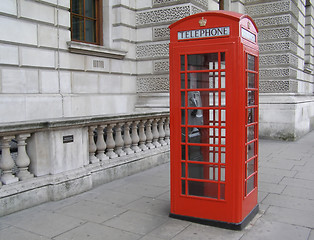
95 50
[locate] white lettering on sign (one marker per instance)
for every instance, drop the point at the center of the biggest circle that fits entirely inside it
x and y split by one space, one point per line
204 33
248 35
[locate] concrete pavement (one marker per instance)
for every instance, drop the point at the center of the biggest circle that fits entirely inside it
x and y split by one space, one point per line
137 207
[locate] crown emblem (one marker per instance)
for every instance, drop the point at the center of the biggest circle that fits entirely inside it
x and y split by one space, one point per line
202 22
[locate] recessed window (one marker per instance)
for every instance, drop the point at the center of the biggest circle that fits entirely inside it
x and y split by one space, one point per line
85 21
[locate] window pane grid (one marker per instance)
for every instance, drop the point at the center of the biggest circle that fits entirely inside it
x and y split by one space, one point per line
203 107
87 29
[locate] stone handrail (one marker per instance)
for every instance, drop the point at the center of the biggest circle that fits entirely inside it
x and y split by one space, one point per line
60 147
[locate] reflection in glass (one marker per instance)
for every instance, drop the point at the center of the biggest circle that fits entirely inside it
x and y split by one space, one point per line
203 80
223 79
182 116
90 30
223 98
250 150
250 168
183 134
203 189
250 184
250 115
183 170
78 28
78 6
223 117
214 154
222 60
197 153
250 133
90 8
213 117
222 174
183 187
251 98
207 61
223 157
251 80
251 62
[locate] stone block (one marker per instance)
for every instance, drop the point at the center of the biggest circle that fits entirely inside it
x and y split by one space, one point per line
18 31
152 50
65 82
144 34
37 107
124 33
144 67
128 84
50 2
49 81
161 33
143 4
8 7
37 11
124 16
47 36
15 111
64 18
71 61
64 37
37 57
110 83
64 3
84 82
9 54
19 80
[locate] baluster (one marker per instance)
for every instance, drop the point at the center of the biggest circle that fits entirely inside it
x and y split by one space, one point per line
6 162
22 160
155 133
167 130
101 144
142 136
92 145
161 131
135 137
127 138
149 134
119 140
110 142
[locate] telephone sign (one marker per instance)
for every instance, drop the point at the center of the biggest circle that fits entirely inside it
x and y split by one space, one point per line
214 118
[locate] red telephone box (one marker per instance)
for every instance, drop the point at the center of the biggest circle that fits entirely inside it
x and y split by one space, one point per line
214 118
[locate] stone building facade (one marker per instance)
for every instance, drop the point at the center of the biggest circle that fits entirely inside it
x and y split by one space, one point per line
45 74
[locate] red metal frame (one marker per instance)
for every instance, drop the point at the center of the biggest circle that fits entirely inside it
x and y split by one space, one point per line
213 185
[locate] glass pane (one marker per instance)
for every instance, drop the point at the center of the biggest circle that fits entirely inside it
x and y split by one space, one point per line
77 6
183 170
251 80
183 187
250 150
250 133
222 191
250 168
250 115
251 98
223 157
200 171
203 80
223 117
203 189
183 135
90 8
207 61
182 61
90 31
182 81
182 99
78 28
223 79
198 153
222 60
223 98
222 174
250 184
183 117
250 62
183 152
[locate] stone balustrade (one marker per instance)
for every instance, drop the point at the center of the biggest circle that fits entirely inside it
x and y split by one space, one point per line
62 157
